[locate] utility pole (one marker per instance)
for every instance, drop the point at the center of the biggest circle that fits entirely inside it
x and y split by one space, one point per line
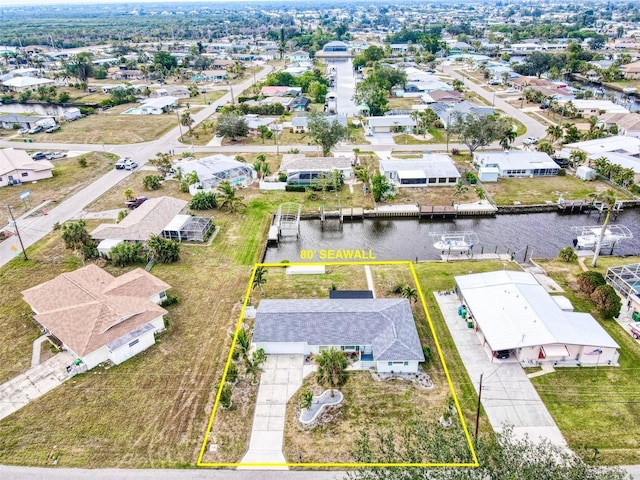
13 221
478 408
179 124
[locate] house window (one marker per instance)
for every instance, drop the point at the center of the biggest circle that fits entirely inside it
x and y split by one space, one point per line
348 348
135 342
24 174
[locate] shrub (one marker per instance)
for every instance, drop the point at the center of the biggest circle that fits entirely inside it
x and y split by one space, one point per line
568 254
455 151
82 162
306 399
126 253
589 281
635 189
151 182
562 172
607 301
471 178
225 396
204 201
232 373
282 177
170 300
121 215
295 188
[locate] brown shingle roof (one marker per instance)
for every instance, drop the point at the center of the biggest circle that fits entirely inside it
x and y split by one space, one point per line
89 308
12 160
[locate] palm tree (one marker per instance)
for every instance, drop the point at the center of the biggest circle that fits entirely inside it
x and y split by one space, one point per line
187 121
410 293
608 197
128 194
577 157
228 198
460 189
480 192
259 278
555 132
508 136
332 365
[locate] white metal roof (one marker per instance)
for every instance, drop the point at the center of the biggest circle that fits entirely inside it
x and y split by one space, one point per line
513 310
620 144
431 166
177 223
515 160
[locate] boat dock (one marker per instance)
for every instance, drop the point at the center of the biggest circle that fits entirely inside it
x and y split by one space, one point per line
352 213
574 206
437 211
463 256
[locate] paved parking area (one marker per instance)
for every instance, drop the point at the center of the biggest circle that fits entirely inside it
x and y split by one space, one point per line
35 382
508 397
280 379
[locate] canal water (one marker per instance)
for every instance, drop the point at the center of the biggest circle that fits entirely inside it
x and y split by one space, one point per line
542 235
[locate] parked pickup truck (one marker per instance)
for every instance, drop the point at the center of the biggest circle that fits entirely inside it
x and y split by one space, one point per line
135 203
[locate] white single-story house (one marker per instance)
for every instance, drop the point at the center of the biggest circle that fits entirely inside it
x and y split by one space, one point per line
10 120
302 170
216 168
512 311
299 56
431 170
300 124
158 106
16 167
22 84
599 146
98 317
390 123
209 76
593 108
381 331
150 218
517 163
622 159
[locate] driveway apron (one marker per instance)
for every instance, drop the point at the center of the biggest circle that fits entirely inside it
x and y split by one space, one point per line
280 379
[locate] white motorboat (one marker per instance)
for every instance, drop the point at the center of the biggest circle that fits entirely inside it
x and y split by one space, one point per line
629 90
589 238
453 243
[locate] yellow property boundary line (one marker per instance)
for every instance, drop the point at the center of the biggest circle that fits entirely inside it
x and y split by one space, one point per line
200 463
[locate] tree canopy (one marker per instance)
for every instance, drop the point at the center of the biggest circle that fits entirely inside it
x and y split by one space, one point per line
231 125
326 133
476 130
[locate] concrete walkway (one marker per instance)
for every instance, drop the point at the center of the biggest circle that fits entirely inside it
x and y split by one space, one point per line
370 284
508 397
35 382
281 378
37 348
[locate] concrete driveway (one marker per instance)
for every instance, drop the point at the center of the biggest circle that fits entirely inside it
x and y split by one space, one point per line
35 382
508 397
281 378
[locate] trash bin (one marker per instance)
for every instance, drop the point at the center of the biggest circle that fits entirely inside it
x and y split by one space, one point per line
469 324
636 316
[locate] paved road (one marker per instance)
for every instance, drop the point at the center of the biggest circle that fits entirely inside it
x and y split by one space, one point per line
345 86
534 128
34 228
37 473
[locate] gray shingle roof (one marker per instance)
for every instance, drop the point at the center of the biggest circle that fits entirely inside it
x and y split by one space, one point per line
384 323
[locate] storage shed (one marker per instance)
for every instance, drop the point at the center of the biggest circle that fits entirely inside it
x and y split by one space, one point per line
586 173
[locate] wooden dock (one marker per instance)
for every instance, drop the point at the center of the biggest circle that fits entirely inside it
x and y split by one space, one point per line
574 206
437 211
352 213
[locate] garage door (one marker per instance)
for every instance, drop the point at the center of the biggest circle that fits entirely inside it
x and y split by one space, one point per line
283 348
